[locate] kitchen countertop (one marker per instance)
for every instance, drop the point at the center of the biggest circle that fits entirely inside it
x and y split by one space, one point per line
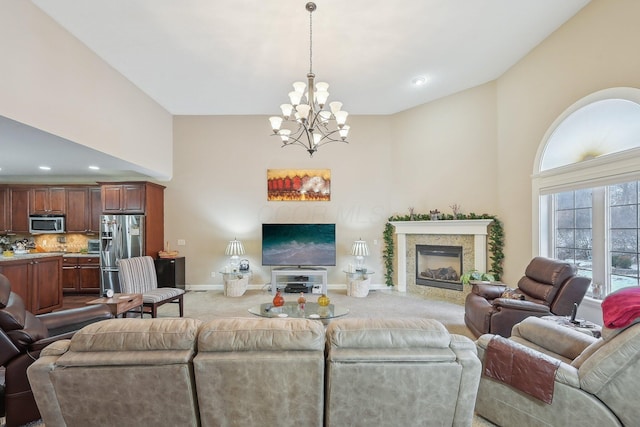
46 254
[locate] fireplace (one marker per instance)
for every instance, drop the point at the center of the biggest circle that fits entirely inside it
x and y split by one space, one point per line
439 266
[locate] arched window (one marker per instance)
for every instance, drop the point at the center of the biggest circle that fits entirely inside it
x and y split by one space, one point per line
586 188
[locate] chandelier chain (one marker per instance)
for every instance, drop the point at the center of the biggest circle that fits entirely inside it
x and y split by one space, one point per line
311 41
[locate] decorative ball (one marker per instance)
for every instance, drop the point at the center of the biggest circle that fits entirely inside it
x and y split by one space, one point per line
278 299
323 300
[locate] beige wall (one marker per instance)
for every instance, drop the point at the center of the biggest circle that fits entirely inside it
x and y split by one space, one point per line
444 153
597 49
52 82
219 191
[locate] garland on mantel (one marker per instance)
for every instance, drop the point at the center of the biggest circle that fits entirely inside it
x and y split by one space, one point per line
495 238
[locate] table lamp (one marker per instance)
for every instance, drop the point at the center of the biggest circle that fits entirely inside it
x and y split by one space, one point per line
360 250
234 249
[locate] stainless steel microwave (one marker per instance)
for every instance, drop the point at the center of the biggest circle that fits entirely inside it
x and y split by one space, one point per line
41 224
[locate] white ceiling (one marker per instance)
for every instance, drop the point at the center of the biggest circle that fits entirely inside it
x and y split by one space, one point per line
221 57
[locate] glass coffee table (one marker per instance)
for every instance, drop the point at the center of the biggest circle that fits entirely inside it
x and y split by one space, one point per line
291 309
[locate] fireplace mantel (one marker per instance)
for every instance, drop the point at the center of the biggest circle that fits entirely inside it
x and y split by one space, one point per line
476 227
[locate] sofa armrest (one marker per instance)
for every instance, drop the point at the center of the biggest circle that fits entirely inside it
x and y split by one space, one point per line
42 387
551 338
65 321
566 374
487 291
522 305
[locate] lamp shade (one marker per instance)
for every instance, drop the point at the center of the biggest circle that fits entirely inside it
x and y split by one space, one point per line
234 248
360 248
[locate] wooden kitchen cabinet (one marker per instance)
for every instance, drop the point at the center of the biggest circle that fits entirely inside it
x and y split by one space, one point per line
47 201
18 219
83 210
37 280
126 198
5 207
81 275
95 208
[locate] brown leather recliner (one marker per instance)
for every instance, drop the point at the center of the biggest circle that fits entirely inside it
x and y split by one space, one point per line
549 287
22 336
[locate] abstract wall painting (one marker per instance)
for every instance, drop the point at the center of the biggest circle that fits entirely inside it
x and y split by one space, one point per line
299 185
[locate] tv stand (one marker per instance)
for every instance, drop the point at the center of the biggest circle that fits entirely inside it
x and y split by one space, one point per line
281 277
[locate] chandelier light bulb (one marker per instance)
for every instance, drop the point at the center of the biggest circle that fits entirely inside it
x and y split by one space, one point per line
322 86
295 97
284 134
316 138
321 97
287 109
344 131
303 110
335 106
299 87
341 117
276 122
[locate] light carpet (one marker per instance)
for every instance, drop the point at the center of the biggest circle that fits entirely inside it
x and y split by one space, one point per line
207 305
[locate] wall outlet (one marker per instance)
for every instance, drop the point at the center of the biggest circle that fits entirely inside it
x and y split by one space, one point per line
181 242
213 274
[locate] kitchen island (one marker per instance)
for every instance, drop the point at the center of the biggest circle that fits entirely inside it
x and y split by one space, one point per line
36 278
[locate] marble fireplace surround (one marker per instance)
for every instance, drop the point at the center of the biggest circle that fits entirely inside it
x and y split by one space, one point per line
406 230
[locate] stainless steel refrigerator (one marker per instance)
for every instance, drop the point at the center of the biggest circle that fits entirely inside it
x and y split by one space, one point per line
121 236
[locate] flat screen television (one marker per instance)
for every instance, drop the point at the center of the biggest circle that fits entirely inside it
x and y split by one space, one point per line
299 245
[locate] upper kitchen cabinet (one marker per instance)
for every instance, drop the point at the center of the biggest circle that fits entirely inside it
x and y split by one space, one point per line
5 206
131 197
126 198
47 200
83 209
18 213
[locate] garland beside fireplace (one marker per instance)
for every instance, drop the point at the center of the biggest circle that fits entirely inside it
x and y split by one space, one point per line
495 239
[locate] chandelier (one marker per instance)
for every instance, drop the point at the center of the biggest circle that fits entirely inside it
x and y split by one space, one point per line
305 121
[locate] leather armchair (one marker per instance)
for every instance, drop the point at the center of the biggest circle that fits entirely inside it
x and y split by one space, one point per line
549 287
22 337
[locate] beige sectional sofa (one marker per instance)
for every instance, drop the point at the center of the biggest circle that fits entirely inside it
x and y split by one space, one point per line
258 372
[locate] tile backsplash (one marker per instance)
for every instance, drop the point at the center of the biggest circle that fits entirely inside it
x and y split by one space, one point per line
62 242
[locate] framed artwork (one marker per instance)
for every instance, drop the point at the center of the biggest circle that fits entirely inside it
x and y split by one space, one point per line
299 185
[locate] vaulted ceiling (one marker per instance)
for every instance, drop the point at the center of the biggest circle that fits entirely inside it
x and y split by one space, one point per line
221 57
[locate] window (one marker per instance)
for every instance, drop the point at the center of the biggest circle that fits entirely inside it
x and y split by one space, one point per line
573 231
573 234
587 178
623 229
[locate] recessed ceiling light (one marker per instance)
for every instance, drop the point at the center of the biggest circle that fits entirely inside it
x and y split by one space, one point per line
95 168
45 168
419 81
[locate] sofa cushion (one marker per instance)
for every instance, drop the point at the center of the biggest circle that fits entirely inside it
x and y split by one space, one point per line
387 333
261 335
544 276
137 335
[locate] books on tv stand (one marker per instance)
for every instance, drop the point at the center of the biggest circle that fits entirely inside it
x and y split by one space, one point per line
314 279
